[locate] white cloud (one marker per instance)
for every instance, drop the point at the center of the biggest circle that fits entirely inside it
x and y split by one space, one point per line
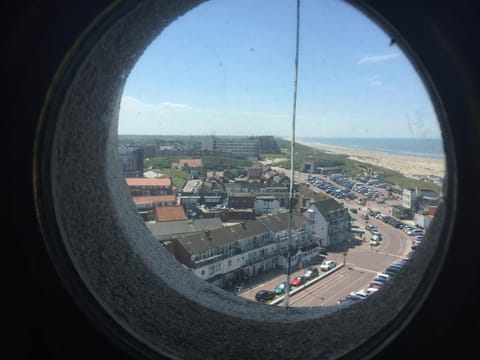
377 58
137 117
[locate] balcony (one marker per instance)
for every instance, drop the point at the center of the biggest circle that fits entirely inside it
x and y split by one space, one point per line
262 258
204 262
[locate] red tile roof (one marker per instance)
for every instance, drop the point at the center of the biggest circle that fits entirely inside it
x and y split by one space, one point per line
155 198
191 163
149 182
169 213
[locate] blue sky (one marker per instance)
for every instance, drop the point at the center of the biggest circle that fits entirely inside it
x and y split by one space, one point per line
227 68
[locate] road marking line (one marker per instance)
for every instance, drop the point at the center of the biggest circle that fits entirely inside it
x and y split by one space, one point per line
363 269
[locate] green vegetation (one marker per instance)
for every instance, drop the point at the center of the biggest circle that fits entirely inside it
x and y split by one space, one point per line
161 162
271 156
305 153
179 177
223 162
163 165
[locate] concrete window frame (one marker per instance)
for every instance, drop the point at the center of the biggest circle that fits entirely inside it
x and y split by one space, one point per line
125 281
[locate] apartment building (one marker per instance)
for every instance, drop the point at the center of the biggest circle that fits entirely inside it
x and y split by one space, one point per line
302 246
150 186
146 204
239 252
233 253
331 222
131 160
246 147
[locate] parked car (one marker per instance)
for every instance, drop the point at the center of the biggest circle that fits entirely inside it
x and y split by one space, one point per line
383 275
419 238
408 228
353 210
365 217
374 242
380 280
328 265
264 295
375 232
377 237
376 284
360 293
299 280
414 231
311 272
322 251
347 301
280 288
372 290
394 267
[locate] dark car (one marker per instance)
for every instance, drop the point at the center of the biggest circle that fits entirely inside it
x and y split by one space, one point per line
264 295
380 280
311 273
353 210
347 301
322 251
391 272
376 284
393 268
354 297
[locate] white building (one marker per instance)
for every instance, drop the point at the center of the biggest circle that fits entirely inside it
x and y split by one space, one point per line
302 246
331 222
409 198
236 146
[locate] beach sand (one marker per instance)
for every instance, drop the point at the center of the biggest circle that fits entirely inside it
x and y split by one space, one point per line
411 166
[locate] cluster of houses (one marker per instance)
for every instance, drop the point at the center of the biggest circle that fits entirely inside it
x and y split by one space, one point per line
228 230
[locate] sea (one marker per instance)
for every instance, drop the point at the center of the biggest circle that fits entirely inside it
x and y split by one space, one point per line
430 148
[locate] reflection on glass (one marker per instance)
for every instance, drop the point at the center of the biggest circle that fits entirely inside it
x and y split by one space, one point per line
204 143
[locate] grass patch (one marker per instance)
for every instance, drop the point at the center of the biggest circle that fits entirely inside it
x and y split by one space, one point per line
179 177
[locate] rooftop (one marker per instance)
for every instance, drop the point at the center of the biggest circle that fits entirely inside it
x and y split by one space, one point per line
169 213
199 242
280 222
184 226
148 182
155 198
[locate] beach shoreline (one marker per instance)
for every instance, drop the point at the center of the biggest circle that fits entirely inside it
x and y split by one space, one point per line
411 166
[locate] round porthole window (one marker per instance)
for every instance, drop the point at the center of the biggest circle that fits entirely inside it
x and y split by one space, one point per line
125 279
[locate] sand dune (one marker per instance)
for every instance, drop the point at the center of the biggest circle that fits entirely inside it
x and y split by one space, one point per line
407 165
